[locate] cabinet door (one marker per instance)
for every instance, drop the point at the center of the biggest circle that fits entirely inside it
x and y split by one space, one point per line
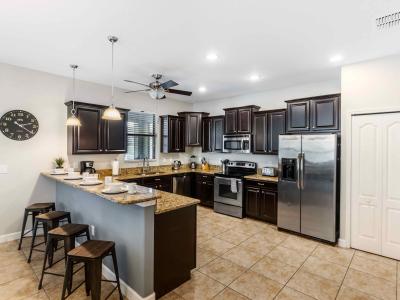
193 129
115 137
252 202
180 135
207 193
217 133
260 133
244 120
173 139
276 125
325 114
298 118
268 205
230 121
207 135
87 139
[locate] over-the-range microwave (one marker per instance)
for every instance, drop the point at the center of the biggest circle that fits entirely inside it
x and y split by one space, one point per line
236 143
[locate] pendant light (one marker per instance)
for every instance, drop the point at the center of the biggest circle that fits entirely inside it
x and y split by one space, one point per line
111 113
72 119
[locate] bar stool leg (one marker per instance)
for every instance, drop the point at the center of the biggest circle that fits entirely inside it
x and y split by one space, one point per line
26 213
114 258
33 240
87 279
46 254
66 277
69 244
95 278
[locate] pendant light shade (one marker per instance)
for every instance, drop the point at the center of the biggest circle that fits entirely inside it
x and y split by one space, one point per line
73 119
111 113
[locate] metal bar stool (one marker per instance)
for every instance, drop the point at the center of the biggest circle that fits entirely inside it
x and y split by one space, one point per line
33 210
68 233
91 253
50 220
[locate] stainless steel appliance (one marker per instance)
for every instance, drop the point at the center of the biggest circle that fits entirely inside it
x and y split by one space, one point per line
181 184
224 167
176 165
236 143
87 166
308 187
228 187
268 171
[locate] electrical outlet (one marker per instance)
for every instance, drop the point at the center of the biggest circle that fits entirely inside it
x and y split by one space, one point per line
92 230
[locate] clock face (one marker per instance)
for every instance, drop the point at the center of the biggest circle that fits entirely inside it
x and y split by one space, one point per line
19 125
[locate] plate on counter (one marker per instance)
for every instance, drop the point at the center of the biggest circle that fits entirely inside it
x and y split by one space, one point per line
108 192
73 178
59 173
98 182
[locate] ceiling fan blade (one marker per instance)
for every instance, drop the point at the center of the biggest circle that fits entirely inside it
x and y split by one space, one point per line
127 92
168 84
179 92
130 81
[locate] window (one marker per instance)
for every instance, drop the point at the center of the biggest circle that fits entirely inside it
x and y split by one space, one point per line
141 136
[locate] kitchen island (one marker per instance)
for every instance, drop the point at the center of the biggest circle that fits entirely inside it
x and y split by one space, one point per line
154 232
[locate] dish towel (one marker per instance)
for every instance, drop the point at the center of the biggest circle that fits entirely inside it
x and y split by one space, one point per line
234 188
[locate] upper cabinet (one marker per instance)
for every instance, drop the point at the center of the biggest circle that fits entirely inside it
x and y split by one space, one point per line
172 134
314 114
96 136
267 126
239 119
193 127
213 130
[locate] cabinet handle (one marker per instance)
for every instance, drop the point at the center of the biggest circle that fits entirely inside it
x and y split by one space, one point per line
157 179
204 182
262 184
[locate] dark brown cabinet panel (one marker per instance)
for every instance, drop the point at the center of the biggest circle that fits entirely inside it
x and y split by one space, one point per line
252 202
230 121
217 133
260 133
96 135
318 114
268 205
325 114
276 125
239 119
262 200
204 189
162 183
193 127
244 120
207 135
172 134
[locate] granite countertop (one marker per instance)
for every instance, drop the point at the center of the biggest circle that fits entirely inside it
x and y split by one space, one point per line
261 178
166 173
164 201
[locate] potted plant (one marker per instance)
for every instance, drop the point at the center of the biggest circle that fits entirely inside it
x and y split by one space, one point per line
59 161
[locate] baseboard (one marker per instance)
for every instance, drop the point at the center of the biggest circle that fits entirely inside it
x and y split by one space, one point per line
9 237
343 243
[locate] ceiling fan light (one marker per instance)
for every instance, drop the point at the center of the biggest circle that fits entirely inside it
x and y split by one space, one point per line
157 93
111 114
73 121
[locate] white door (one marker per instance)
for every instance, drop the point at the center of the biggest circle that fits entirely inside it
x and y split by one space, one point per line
375 196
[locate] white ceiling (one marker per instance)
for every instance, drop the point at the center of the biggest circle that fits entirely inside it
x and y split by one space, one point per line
286 42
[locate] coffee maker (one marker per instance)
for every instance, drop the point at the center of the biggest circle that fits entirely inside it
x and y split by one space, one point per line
87 166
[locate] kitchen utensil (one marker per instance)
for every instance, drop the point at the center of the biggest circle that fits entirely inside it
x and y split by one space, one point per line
176 165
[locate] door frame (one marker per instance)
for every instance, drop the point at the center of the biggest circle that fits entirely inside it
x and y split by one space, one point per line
346 162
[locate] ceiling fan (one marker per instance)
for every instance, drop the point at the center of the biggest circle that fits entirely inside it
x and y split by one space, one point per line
157 89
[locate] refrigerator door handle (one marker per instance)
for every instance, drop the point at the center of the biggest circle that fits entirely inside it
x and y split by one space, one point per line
298 179
302 170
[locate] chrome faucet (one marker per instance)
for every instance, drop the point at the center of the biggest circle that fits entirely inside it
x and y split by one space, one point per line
145 167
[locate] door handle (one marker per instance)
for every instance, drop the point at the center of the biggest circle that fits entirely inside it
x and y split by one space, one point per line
298 170
302 170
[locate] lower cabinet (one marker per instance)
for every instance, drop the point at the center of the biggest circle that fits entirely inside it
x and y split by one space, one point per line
204 189
261 200
162 183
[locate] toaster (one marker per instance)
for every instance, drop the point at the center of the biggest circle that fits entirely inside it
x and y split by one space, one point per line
269 171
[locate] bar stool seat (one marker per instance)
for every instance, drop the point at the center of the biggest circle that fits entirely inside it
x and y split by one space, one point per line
91 253
68 233
50 220
33 210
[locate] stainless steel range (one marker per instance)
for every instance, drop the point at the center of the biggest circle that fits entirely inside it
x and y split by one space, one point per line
228 187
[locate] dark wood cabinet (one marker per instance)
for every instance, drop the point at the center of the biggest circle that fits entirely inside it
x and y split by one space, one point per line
261 200
193 127
96 136
212 131
320 113
239 119
204 189
172 134
266 129
162 183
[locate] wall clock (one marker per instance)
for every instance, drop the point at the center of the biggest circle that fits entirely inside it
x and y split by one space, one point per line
19 125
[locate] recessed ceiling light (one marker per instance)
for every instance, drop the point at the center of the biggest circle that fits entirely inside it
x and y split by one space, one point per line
202 89
212 56
336 58
254 77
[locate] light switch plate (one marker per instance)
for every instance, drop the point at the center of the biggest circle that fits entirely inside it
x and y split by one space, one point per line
3 169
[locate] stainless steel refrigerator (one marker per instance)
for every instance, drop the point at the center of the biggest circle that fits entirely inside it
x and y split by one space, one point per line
308 187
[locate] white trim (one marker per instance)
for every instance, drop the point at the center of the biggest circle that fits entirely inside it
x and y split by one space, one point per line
9 237
343 243
348 138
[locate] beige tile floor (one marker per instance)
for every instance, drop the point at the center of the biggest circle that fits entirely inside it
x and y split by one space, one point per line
236 259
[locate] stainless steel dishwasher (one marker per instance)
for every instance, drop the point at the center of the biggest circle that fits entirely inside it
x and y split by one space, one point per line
182 184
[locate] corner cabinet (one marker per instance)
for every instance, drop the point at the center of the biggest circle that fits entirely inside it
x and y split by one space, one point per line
239 119
204 189
267 126
212 132
261 200
314 114
172 134
193 127
96 136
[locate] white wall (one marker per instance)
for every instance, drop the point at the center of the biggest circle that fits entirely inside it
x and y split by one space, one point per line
44 95
372 86
273 99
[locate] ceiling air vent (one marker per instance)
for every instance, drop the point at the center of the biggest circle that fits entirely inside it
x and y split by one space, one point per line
388 21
